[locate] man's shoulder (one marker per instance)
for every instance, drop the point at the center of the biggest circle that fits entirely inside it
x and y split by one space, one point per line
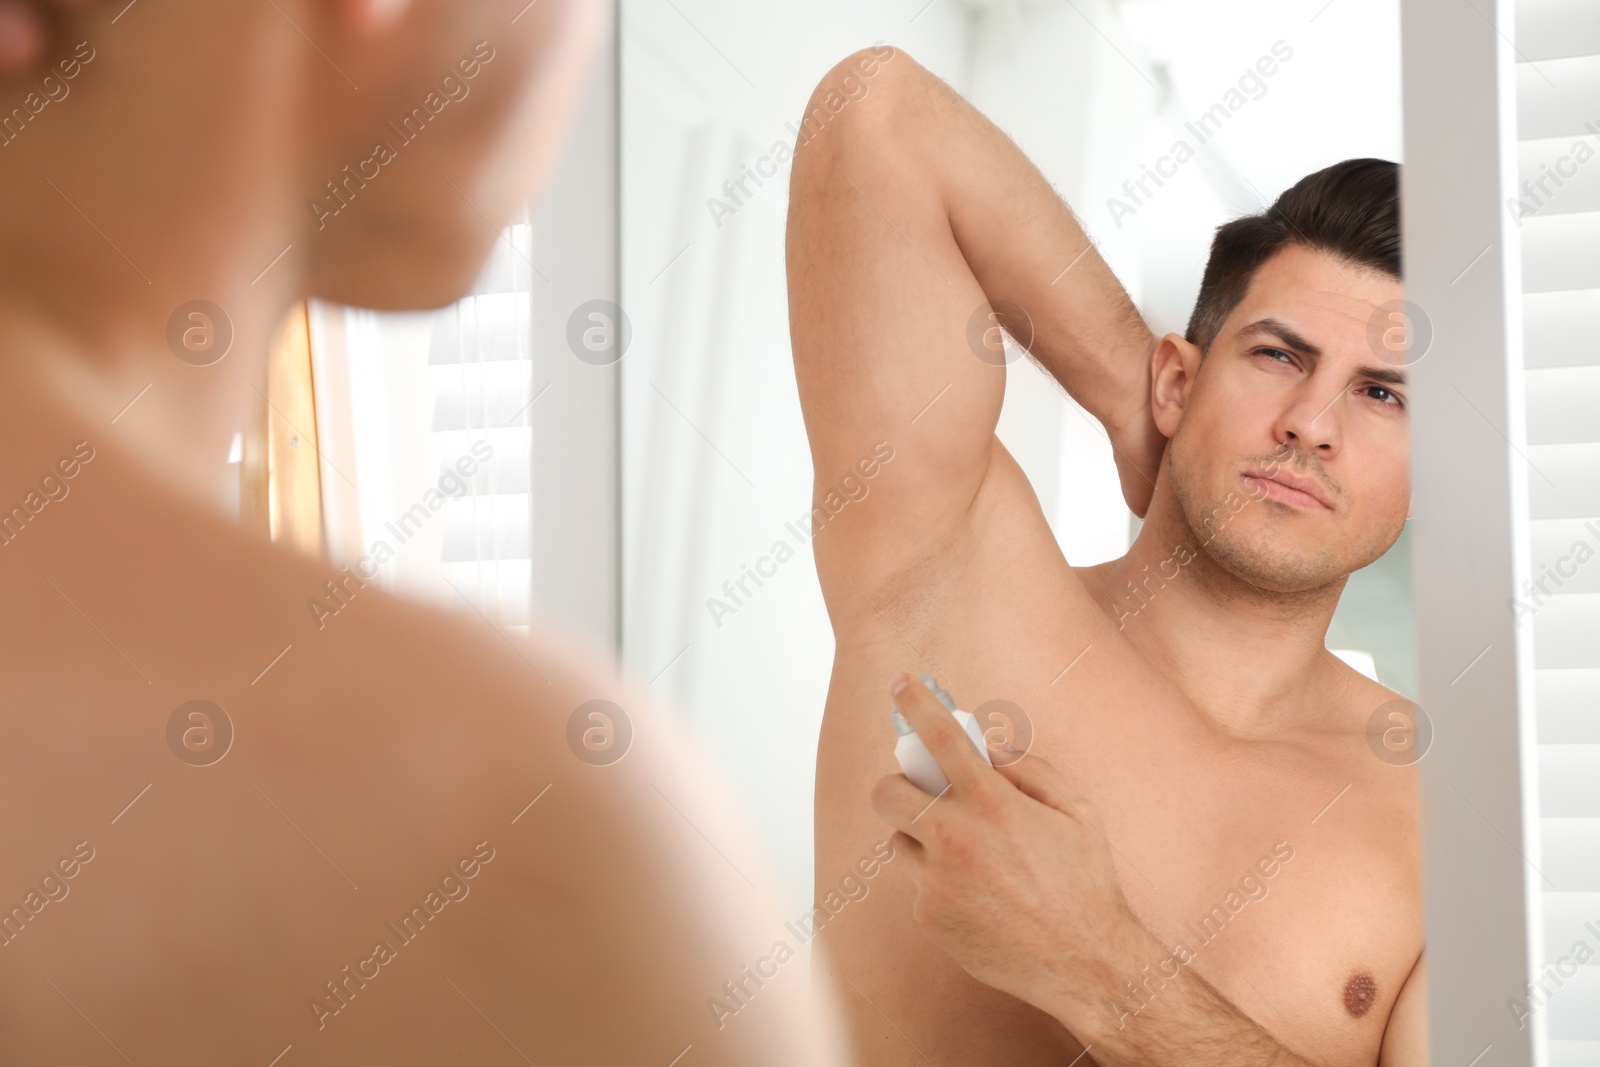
474 697
1381 737
1367 699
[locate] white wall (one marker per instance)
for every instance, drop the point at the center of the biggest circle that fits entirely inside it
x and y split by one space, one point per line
714 453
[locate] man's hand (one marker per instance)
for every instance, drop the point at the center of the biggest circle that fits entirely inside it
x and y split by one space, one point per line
1014 882
1013 879
1120 405
1138 445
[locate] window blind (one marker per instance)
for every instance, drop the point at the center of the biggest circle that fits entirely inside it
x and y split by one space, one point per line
1558 211
428 444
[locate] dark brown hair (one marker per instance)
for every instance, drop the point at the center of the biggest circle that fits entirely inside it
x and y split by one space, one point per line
1350 210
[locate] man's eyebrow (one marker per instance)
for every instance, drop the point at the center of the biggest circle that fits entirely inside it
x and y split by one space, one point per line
1283 332
1382 374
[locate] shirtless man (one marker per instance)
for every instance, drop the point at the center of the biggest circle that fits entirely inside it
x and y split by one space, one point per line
401 779
1201 776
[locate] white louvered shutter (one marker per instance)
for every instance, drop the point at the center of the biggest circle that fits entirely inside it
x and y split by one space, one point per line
1558 129
483 380
402 399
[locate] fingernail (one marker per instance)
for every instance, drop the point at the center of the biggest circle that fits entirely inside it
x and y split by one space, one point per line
898 683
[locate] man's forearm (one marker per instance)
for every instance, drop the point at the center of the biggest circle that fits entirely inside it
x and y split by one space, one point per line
1026 249
1159 1021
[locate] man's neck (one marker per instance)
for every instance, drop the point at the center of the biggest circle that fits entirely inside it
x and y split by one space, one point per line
173 420
1251 659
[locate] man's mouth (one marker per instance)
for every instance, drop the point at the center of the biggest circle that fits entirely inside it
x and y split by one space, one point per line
1294 490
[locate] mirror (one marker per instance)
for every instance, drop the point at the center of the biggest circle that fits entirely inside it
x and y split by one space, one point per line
1156 121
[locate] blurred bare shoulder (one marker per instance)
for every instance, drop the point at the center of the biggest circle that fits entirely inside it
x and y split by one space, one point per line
397 835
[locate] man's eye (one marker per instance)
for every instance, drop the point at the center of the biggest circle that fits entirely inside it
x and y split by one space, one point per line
1392 397
1275 352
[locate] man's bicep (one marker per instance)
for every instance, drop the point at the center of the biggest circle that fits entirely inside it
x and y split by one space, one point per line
1405 1039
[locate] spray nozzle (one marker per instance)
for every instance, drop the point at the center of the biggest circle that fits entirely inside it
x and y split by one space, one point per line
944 698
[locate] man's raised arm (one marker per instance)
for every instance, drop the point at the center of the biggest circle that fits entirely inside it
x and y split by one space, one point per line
910 217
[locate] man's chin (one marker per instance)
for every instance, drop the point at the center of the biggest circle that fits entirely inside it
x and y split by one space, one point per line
1276 564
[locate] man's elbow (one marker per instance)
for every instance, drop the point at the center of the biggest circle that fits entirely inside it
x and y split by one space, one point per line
859 95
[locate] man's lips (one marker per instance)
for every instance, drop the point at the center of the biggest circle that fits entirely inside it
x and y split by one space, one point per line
1290 489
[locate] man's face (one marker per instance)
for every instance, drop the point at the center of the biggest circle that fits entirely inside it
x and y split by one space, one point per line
1295 389
460 113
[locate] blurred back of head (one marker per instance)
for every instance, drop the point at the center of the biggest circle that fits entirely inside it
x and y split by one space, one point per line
165 150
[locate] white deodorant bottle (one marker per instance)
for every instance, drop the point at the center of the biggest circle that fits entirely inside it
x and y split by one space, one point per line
913 756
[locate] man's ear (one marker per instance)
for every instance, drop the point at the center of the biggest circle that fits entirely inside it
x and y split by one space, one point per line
369 16
1173 367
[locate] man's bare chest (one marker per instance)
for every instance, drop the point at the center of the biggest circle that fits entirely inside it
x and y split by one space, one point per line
1274 873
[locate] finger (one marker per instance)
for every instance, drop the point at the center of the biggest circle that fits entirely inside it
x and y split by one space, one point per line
902 805
943 737
1038 778
909 851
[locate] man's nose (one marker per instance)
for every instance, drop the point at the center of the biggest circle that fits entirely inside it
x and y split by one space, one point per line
1314 419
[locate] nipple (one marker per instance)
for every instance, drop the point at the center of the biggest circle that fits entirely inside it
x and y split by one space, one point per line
1359 994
